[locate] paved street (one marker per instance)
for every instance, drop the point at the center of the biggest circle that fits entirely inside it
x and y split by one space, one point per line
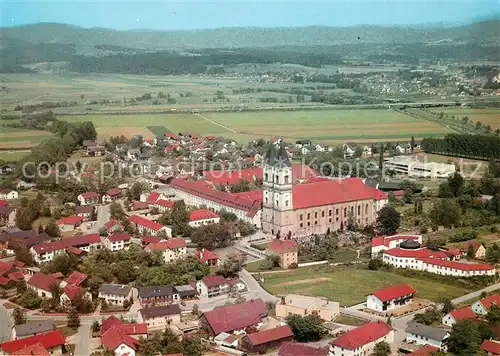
255 288
82 340
5 325
103 216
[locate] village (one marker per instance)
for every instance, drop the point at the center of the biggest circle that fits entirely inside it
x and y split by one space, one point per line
101 271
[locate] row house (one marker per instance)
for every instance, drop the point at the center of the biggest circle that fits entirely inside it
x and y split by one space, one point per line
149 227
212 286
111 195
390 298
202 217
45 252
88 198
171 250
116 294
117 242
362 340
158 295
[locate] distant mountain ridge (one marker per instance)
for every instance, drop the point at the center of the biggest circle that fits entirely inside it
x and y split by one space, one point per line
485 32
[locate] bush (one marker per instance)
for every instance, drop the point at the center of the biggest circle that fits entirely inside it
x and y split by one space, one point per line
258 247
465 235
293 266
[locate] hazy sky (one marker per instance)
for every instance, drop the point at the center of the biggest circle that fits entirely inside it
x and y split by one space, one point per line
171 15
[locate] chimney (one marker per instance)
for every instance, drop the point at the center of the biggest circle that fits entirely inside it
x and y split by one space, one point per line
283 301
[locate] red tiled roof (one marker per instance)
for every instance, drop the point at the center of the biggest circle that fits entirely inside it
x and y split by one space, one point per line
5 267
114 192
171 135
3 203
47 340
223 198
213 280
386 240
67 242
490 300
4 281
72 291
255 195
133 329
57 275
43 281
153 197
165 203
202 214
76 278
491 346
111 223
236 317
282 246
84 209
206 255
110 322
150 239
295 349
18 263
394 292
150 224
140 205
168 245
329 192
90 195
363 335
118 237
426 350
265 336
70 220
33 350
418 253
113 338
75 250
16 276
463 313
458 265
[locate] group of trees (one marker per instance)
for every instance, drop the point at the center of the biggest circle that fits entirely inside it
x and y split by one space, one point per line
388 220
319 249
166 343
306 328
470 146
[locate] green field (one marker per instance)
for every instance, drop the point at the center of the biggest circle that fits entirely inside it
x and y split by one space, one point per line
332 126
12 156
489 116
350 286
158 130
17 138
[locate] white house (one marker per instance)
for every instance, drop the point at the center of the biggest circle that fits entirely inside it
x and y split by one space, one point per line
160 317
362 340
149 227
88 198
421 334
390 298
152 197
8 194
84 211
379 244
202 217
112 195
458 314
212 286
42 284
163 205
117 242
171 250
483 305
116 294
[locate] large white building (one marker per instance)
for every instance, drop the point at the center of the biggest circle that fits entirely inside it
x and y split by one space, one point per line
421 334
414 168
171 250
483 305
361 341
383 243
390 298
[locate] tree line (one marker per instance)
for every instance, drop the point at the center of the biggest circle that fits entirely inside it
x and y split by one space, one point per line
469 146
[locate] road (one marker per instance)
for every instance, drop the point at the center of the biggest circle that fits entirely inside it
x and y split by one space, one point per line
5 325
103 216
82 340
255 288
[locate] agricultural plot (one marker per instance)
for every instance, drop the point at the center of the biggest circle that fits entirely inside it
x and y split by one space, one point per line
489 116
350 286
20 138
158 130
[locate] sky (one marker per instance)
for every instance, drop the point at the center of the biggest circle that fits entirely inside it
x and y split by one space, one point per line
188 14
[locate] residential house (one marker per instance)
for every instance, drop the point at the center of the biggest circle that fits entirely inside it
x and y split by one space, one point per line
286 250
96 151
160 317
152 197
69 223
234 318
139 205
478 250
162 205
52 341
112 226
426 350
88 198
149 227
45 252
421 334
212 286
171 250
302 143
8 216
296 349
228 340
76 278
491 347
237 285
117 242
119 342
7 168
294 304
42 284
111 195
483 305
116 294
202 217
208 257
186 292
158 295
147 240
32 328
390 298
362 340
71 292
458 314
261 341
21 184
8 194
349 150
84 211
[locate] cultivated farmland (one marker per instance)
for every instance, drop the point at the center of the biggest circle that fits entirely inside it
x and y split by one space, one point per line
489 116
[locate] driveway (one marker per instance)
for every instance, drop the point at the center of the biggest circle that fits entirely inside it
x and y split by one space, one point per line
5 325
103 216
82 340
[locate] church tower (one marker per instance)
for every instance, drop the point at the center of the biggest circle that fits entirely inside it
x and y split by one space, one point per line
277 211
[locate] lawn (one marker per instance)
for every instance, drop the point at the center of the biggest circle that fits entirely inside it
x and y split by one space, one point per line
350 286
349 320
21 138
158 130
67 331
489 116
13 156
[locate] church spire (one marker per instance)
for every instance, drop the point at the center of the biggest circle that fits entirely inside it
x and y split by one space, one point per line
282 159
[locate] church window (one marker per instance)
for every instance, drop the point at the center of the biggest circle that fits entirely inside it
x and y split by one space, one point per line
301 217
301 225
286 202
308 216
359 210
315 214
330 220
322 214
286 179
267 200
308 223
345 212
276 179
329 212
266 176
316 222
337 211
277 203
366 209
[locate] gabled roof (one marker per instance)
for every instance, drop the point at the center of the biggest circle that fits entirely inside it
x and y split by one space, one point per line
115 289
35 350
363 335
34 327
74 241
491 346
490 300
202 214
296 349
386 240
114 192
113 338
206 255
140 205
5 267
111 223
418 253
70 220
133 328
118 237
43 281
213 280
72 291
150 224
463 313
165 203
3 203
156 312
265 336
426 350
47 340
430 332
153 197
110 322
150 239
84 209
171 244
282 246
394 292
157 291
458 265
236 317
90 195
76 278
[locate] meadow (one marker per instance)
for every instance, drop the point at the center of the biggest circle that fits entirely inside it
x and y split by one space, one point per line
350 286
489 116
335 126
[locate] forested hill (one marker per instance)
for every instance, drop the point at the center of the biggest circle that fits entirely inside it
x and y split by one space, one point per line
486 32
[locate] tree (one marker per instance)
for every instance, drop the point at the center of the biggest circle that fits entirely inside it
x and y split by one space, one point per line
213 236
456 184
412 143
493 253
180 219
29 299
447 306
429 317
493 315
52 229
382 349
195 310
46 305
135 191
445 212
116 211
19 316
381 160
231 266
465 338
20 287
306 329
95 327
375 264
388 220
73 319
